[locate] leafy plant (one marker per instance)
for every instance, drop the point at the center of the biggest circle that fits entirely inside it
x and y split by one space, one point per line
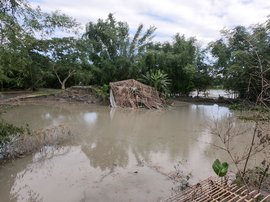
7 131
220 169
157 79
254 177
103 92
262 173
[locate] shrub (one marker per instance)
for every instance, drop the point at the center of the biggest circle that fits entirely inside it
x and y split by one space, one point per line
7 131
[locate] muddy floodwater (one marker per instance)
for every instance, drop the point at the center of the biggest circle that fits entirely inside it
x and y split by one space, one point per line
114 155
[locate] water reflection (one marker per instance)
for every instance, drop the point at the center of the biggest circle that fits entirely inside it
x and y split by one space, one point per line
108 147
67 175
198 152
174 132
62 176
212 112
90 117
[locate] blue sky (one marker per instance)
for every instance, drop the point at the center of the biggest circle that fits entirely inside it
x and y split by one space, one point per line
201 18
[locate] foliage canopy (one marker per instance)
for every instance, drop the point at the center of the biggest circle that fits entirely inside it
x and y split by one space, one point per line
33 54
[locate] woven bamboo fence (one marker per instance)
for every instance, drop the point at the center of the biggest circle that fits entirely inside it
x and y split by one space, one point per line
213 190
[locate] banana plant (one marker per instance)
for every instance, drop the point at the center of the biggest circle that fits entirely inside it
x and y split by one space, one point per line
157 79
220 169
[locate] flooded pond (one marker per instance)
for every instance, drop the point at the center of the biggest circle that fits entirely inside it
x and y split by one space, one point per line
115 155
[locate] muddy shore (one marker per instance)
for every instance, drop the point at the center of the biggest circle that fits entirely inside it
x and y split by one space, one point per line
89 96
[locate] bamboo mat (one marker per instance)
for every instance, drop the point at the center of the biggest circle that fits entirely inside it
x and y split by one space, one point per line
212 189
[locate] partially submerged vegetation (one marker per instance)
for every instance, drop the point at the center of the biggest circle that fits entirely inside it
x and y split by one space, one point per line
257 149
85 94
8 132
257 177
19 141
248 111
247 174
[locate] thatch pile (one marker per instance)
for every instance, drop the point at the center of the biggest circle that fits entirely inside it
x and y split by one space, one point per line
133 94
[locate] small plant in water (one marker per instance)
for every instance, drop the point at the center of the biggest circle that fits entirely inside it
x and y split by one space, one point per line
262 173
221 169
180 178
8 131
255 177
103 92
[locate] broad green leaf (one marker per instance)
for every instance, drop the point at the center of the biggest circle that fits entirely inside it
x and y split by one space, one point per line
219 168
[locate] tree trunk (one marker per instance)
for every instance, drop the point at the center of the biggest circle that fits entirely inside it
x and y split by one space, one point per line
63 83
63 86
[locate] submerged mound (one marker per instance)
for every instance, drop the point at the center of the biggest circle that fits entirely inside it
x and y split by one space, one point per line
134 94
86 94
24 141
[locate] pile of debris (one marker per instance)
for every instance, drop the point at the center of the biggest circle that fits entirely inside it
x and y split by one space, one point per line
133 94
85 94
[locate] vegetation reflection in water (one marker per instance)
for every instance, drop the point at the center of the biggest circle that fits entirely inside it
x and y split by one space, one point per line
122 152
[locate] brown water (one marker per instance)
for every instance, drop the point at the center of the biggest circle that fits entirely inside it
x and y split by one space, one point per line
115 155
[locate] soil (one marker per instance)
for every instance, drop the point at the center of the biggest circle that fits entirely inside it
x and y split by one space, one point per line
79 94
88 95
75 94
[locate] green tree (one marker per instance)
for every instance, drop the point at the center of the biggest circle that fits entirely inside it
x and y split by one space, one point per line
241 56
202 78
66 57
114 53
21 28
177 59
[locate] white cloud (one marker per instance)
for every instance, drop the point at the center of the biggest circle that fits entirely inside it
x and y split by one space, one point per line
203 19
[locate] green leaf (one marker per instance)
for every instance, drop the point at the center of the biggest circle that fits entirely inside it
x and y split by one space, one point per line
219 168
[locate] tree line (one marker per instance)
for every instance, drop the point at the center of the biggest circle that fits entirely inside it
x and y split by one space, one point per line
40 49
